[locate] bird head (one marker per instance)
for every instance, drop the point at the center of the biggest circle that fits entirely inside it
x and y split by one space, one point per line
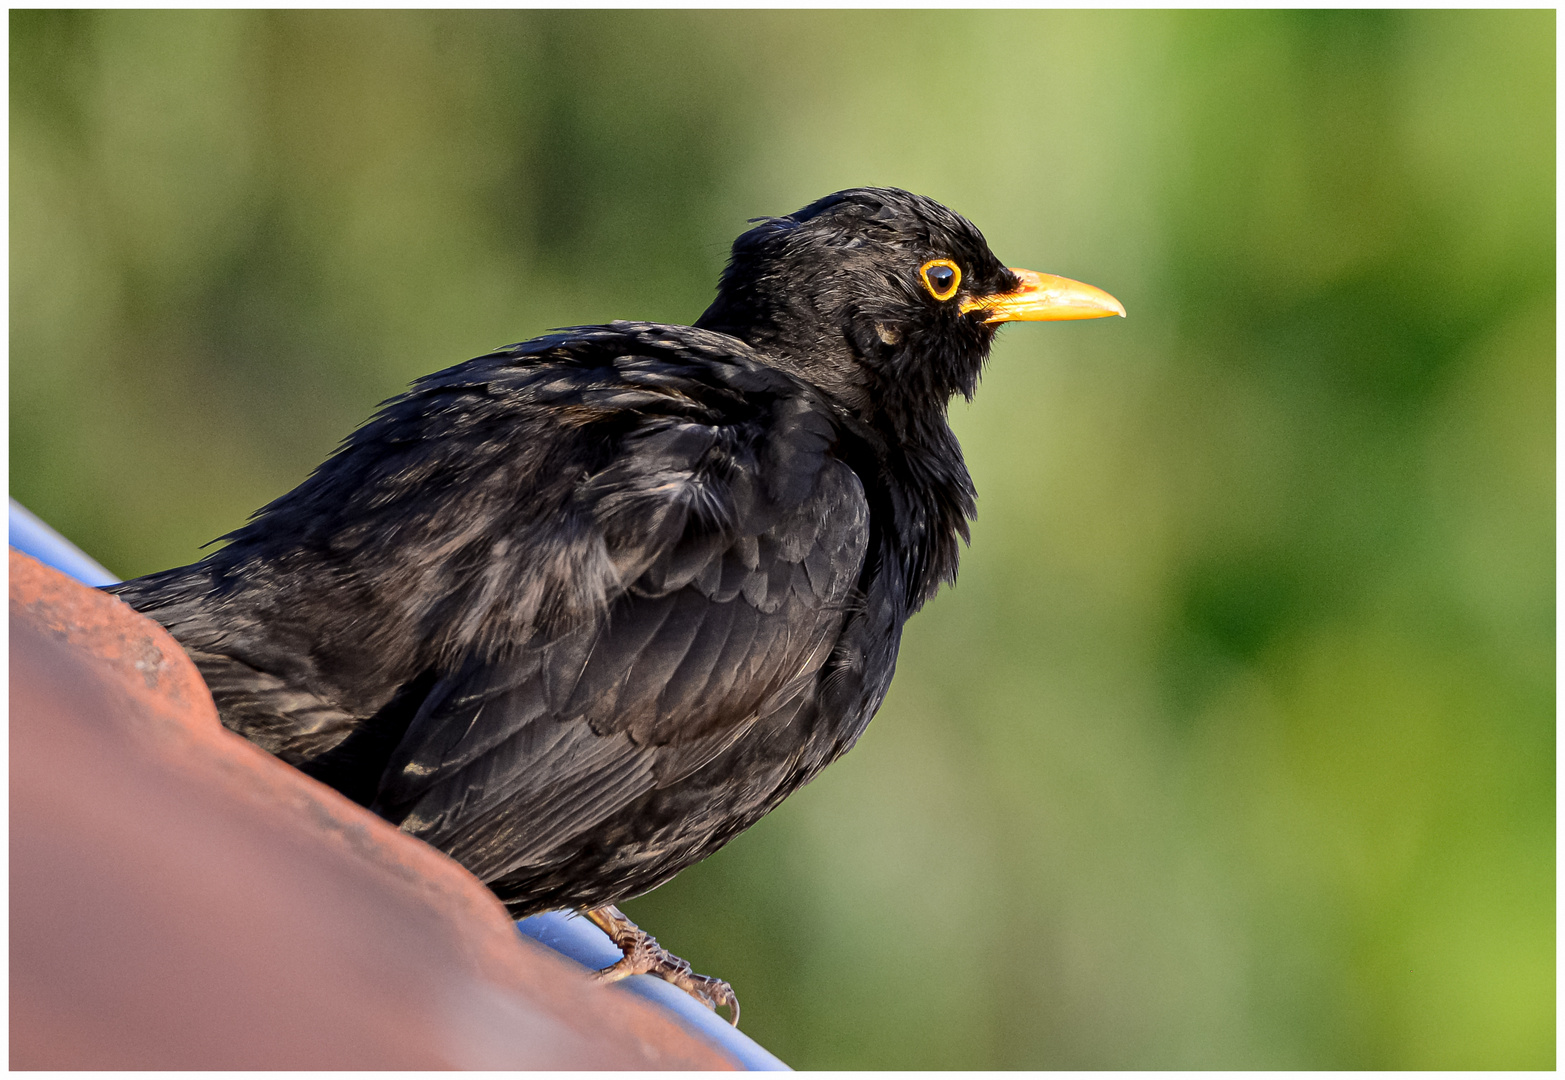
887 300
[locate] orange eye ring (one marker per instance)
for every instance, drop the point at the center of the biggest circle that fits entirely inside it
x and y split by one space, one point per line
942 278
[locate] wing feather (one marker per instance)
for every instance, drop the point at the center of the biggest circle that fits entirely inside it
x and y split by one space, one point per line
738 539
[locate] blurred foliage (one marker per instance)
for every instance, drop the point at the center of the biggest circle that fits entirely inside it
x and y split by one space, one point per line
1233 747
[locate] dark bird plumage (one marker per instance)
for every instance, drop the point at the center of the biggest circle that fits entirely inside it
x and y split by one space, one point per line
579 611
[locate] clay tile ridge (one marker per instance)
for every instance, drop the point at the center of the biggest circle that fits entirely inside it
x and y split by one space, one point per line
181 899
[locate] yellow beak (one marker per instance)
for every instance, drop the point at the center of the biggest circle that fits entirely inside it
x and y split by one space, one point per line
1043 297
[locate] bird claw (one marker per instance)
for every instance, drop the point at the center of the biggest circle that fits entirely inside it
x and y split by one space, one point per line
644 956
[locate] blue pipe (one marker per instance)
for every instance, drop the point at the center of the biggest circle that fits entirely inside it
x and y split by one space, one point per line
31 536
573 936
565 933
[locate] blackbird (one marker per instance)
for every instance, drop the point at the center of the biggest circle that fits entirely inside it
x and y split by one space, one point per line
581 610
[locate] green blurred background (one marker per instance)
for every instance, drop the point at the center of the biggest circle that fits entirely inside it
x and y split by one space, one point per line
1234 745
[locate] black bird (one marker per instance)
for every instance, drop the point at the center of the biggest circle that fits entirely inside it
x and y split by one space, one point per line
580 611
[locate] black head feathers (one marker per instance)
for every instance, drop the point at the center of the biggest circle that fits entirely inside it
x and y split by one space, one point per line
838 293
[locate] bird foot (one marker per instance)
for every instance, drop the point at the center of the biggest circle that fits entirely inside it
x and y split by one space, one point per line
644 956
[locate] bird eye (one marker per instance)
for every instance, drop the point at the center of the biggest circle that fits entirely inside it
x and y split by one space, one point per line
941 277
